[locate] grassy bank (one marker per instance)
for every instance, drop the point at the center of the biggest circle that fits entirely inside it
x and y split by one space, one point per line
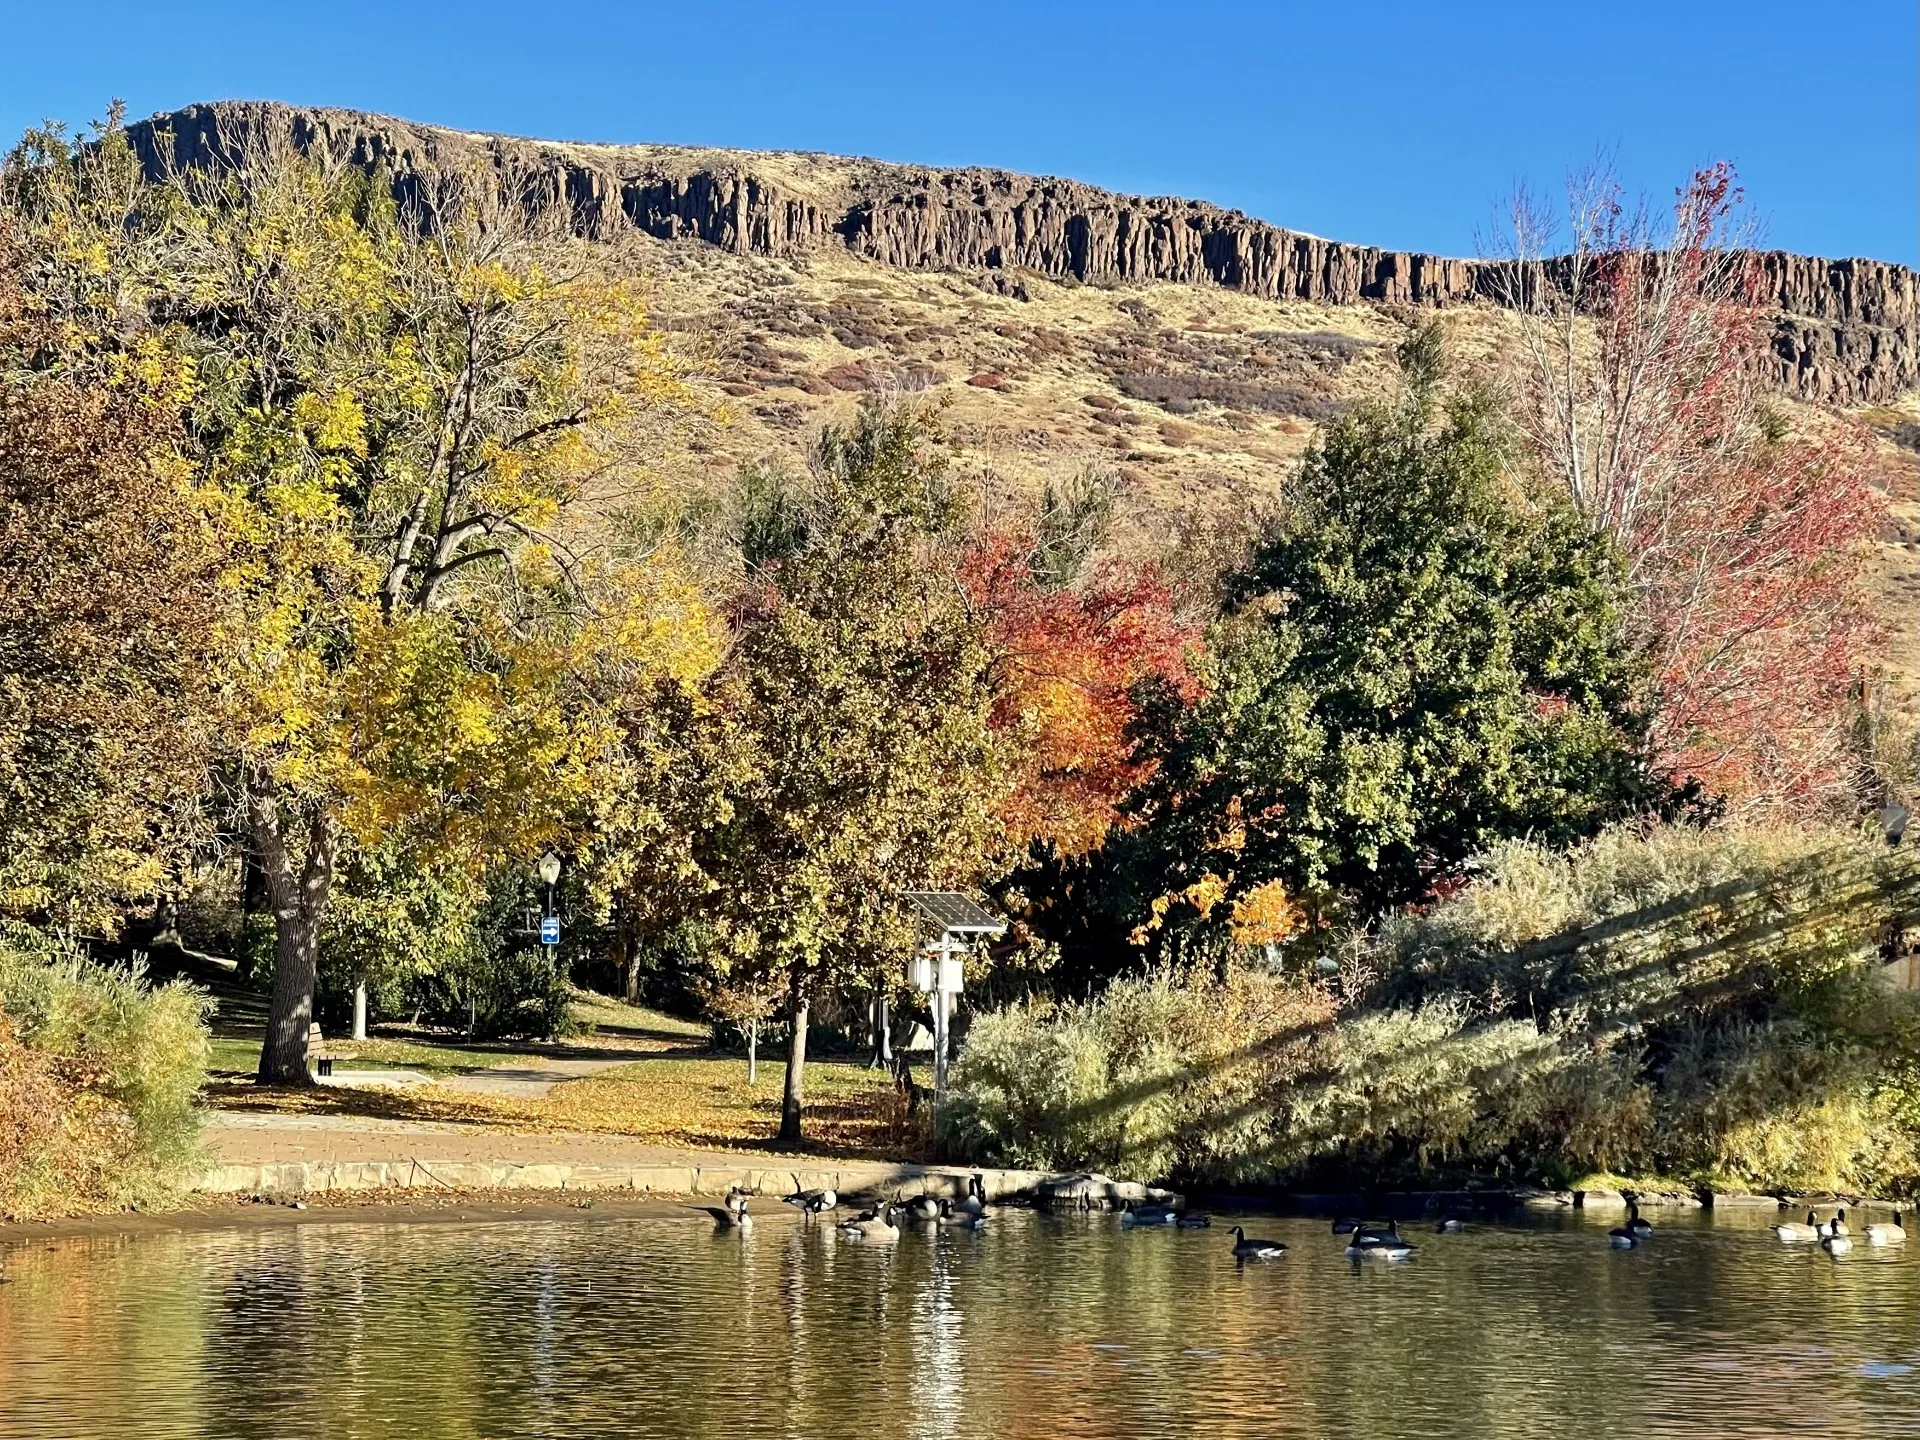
670 1088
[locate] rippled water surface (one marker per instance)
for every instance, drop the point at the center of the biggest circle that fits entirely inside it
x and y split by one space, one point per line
1039 1326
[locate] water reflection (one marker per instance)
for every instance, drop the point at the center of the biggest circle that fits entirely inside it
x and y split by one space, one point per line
1038 1326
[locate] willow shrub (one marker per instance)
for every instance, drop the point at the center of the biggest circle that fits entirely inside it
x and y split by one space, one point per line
1150 1078
1683 1002
99 1074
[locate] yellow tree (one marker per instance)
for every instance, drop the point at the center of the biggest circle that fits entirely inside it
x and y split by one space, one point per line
417 428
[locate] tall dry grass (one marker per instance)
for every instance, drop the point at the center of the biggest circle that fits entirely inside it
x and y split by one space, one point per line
1690 1003
99 1074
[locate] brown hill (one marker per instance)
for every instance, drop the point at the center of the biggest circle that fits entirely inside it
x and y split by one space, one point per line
1188 347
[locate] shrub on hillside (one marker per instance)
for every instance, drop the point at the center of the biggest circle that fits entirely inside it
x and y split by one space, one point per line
99 1074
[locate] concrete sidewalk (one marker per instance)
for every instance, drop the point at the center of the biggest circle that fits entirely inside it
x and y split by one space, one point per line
296 1154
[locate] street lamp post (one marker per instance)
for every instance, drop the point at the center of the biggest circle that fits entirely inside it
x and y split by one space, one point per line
937 970
550 918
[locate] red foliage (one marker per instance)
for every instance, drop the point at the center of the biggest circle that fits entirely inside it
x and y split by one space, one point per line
1744 539
1065 663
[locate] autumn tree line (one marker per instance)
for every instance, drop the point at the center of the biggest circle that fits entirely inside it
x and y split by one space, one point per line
334 540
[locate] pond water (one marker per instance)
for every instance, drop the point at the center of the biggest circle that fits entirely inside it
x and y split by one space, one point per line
1038 1326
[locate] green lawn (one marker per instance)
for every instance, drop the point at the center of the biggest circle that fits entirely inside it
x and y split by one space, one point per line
608 1023
241 1055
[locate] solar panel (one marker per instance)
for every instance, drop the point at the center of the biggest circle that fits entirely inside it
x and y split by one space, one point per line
955 912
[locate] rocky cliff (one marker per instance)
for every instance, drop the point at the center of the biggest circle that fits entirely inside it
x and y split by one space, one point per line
1845 330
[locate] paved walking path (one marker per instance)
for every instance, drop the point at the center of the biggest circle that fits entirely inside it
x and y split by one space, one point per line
529 1082
293 1154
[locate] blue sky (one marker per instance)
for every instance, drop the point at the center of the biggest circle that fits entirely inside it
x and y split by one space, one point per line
1398 125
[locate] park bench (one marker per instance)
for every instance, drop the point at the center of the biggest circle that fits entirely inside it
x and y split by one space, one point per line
322 1054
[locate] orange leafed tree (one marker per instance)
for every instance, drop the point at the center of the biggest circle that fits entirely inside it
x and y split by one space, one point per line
1071 637
1645 349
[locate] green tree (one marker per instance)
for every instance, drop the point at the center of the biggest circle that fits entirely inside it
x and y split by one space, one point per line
1422 655
858 682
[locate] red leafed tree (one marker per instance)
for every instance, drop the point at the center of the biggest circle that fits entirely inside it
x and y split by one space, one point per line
1645 346
1071 638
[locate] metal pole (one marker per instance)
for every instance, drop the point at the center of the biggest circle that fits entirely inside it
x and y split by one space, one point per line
550 911
947 948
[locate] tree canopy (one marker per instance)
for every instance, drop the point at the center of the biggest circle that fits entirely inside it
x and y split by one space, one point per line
1420 657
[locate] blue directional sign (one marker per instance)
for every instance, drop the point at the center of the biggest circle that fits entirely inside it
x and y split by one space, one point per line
550 930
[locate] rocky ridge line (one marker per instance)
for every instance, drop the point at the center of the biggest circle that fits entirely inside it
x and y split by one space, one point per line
1845 330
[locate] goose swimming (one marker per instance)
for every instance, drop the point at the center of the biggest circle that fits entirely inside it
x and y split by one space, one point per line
1883 1233
1794 1232
876 1226
1384 1244
1249 1249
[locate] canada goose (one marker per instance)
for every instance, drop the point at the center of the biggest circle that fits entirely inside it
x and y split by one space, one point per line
1621 1238
1194 1222
1794 1232
1245 1249
736 1200
960 1219
1636 1227
1449 1225
924 1207
813 1202
1379 1244
1887 1234
1835 1226
1137 1214
1346 1227
732 1216
1835 1244
878 1226
974 1202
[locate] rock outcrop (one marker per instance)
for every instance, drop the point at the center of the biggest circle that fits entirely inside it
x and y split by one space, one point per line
1845 330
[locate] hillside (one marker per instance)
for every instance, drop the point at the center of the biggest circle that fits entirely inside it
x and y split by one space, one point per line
1188 348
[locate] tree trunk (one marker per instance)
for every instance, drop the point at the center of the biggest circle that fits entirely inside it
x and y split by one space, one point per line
753 1051
627 945
793 1096
298 901
360 1011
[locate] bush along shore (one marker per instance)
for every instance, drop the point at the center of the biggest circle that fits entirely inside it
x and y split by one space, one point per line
1700 1005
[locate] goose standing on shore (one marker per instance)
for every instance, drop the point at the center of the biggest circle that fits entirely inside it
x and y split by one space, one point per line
1245 1248
1884 1233
811 1202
